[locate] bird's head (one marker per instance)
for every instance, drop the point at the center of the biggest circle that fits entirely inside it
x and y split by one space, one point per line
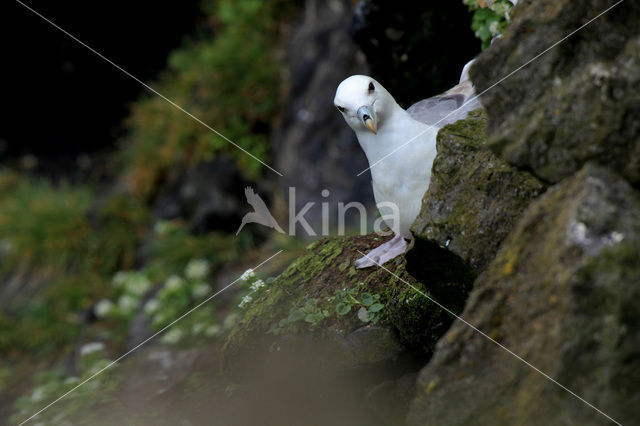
363 103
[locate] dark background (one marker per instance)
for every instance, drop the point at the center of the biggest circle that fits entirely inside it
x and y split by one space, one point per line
60 99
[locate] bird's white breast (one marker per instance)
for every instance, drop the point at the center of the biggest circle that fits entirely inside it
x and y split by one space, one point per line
401 177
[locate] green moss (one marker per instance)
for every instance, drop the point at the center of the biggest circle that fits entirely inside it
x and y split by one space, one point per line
320 273
474 197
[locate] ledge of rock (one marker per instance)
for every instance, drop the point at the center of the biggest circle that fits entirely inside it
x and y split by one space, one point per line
341 355
564 293
407 322
474 197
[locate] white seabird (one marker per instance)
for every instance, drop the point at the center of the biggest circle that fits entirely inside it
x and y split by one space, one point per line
400 147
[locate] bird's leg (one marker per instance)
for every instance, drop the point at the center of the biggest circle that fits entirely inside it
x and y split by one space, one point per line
383 253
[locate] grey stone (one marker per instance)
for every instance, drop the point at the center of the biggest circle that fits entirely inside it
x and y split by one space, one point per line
474 197
563 293
576 103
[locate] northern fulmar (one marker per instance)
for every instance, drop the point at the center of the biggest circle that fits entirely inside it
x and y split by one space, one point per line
400 147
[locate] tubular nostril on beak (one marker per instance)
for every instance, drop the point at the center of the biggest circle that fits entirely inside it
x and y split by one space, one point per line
365 113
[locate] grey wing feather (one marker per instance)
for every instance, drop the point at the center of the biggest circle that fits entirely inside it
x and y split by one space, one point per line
453 105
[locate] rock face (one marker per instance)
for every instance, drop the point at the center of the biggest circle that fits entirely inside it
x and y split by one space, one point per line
316 149
474 197
343 353
563 292
576 103
210 196
415 49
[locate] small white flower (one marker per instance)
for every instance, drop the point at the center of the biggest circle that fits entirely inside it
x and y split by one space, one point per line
247 274
161 227
197 328
174 282
5 245
245 301
151 306
70 380
120 278
172 336
90 348
212 330
95 367
158 319
197 269
494 28
231 320
200 290
103 307
137 284
127 303
38 394
256 285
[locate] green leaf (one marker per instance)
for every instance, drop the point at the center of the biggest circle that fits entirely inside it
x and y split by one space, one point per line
343 308
315 318
367 299
296 315
363 315
311 304
376 307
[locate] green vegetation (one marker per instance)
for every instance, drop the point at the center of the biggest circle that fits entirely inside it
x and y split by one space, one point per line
313 313
490 18
62 245
310 313
82 405
230 82
62 257
172 246
369 306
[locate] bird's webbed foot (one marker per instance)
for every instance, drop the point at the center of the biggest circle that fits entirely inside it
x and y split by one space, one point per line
383 253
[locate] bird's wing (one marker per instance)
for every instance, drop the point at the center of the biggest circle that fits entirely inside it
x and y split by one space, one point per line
449 107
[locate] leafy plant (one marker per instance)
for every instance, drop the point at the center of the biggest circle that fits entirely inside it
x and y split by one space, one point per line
80 406
172 246
178 294
229 78
490 18
369 306
311 313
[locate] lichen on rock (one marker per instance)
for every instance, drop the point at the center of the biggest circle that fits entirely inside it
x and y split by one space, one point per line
474 197
562 293
576 103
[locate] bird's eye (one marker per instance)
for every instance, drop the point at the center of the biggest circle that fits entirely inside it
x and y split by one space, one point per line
341 109
371 87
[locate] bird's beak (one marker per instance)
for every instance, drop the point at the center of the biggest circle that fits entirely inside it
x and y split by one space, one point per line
365 113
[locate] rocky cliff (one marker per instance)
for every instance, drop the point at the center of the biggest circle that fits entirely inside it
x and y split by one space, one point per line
529 231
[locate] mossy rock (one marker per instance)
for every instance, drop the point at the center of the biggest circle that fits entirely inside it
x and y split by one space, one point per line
564 294
408 324
576 103
474 197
